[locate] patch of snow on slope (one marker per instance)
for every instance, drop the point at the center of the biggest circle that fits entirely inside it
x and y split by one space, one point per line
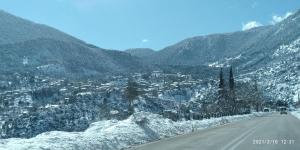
280 78
217 64
140 128
226 62
294 47
234 58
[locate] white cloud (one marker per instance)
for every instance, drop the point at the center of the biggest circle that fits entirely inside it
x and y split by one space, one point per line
145 40
250 25
276 18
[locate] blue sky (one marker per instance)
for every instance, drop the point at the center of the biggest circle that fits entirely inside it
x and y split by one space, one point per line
123 24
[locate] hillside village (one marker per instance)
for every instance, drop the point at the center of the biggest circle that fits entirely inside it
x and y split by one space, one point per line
31 105
34 105
61 92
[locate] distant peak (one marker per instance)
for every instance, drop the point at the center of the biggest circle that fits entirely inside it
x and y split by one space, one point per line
295 15
297 12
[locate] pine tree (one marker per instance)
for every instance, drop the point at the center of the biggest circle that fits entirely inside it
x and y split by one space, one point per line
232 95
257 95
221 83
105 106
231 80
221 90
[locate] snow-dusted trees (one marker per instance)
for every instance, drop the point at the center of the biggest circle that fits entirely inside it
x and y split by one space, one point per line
249 96
221 92
232 96
257 96
227 97
105 106
221 85
131 94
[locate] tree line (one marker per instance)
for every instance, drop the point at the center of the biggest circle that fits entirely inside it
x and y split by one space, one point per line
231 98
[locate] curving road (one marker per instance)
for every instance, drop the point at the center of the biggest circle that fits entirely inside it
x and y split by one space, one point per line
270 132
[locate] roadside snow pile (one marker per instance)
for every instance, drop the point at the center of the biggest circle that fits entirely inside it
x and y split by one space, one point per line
296 113
140 128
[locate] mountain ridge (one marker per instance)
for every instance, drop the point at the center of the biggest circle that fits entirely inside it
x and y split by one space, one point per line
211 48
43 46
244 49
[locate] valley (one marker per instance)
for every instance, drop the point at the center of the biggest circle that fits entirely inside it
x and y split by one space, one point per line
52 82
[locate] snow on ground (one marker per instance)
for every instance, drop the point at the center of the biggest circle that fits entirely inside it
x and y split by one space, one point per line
296 113
140 128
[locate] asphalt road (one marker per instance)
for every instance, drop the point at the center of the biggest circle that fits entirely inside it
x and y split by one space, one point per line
270 132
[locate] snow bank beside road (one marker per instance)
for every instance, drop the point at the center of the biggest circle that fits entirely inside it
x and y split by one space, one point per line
296 113
140 128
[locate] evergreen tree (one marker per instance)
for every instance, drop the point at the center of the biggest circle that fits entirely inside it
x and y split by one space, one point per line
221 90
232 95
257 95
221 83
131 94
231 80
105 106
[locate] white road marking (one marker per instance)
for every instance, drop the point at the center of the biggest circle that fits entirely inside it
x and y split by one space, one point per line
239 138
241 141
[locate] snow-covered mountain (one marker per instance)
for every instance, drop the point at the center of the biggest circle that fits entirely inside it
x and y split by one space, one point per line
14 29
254 46
268 52
280 77
36 104
63 54
49 50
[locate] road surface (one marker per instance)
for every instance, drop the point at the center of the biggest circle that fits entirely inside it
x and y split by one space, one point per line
270 132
